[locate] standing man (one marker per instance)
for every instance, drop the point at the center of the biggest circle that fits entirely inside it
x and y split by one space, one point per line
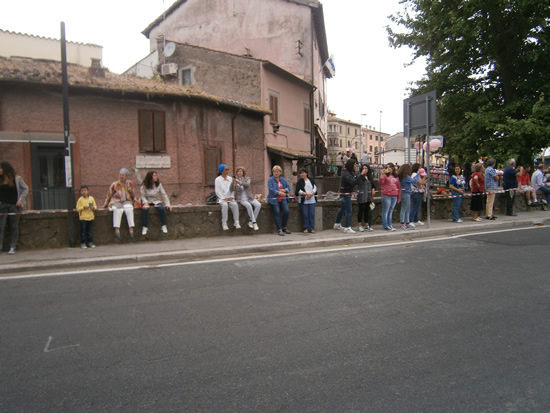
491 186
537 181
510 184
339 163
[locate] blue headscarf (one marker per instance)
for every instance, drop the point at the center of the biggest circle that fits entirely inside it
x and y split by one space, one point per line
221 168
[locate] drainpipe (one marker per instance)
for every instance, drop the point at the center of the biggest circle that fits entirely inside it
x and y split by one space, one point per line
312 98
234 140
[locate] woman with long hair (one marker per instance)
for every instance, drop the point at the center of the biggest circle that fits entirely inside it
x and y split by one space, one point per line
153 195
418 192
406 182
13 195
365 198
457 184
244 196
390 191
347 181
306 190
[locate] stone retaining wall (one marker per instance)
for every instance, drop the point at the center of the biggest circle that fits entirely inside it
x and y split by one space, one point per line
41 230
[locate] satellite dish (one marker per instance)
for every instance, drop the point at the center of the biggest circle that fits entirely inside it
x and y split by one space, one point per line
169 49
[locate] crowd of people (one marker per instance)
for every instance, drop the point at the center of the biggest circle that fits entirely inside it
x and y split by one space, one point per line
405 184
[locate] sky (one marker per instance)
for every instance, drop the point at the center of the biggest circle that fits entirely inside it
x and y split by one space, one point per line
371 77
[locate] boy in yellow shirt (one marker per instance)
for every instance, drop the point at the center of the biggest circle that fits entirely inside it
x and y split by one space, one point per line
86 206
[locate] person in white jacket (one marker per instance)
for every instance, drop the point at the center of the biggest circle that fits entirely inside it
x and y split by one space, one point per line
153 195
225 191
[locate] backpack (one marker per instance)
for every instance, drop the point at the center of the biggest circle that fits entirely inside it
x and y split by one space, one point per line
211 199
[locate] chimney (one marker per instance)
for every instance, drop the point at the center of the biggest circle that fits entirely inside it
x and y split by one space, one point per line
96 69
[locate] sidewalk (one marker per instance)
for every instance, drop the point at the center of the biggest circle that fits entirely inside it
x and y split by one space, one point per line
224 246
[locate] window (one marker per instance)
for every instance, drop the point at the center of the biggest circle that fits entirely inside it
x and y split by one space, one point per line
307 118
274 106
370 137
212 159
376 138
381 138
370 148
348 131
151 131
186 76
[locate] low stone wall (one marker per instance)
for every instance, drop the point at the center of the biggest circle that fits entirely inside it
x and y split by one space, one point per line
41 230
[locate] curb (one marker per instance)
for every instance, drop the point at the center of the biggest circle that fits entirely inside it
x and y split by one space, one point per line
188 255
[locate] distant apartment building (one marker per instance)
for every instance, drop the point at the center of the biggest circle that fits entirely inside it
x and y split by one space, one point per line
37 47
343 136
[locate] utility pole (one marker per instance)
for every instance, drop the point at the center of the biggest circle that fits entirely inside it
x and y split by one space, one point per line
66 133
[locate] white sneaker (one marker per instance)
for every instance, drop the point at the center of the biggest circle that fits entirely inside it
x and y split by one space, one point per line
164 229
360 229
459 221
370 229
419 223
237 225
144 230
225 227
392 228
250 224
338 226
348 230
255 226
11 251
410 224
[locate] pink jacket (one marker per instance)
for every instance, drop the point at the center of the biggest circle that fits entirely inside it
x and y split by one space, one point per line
390 186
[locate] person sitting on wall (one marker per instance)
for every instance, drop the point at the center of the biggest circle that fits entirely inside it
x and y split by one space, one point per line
120 199
243 194
225 191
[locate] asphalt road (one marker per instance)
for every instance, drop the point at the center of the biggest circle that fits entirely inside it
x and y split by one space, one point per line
454 325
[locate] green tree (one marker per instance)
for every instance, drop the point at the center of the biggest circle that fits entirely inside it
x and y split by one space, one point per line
489 61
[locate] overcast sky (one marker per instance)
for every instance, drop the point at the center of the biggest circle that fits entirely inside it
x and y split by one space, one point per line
370 75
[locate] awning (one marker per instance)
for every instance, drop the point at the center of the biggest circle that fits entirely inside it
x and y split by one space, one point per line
35 137
290 153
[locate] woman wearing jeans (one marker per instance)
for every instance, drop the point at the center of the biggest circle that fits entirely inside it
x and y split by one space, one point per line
418 192
406 182
390 190
457 184
306 190
347 181
13 193
277 197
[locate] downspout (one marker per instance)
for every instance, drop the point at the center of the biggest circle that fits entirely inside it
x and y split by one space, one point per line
312 97
234 140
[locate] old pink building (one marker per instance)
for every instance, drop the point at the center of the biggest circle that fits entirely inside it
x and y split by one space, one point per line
289 33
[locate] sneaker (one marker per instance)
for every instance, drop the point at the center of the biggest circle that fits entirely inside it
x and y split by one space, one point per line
281 233
164 229
144 230
370 229
287 231
492 218
360 229
338 226
225 227
458 221
91 245
419 223
387 228
250 224
512 215
403 226
237 225
255 226
11 251
348 230
392 228
83 245
411 225
544 202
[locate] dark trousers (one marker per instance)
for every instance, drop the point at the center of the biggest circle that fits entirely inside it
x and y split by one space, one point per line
365 213
86 231
510 198
14 222
278 208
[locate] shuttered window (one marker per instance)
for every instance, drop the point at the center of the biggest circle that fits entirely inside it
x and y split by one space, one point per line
152 136
274 107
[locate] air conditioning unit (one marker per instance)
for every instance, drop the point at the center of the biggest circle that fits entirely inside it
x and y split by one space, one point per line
168 69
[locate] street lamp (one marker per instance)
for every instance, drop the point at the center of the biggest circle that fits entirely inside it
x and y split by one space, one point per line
380 140
361 133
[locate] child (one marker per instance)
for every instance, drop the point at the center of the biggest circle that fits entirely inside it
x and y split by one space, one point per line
86 206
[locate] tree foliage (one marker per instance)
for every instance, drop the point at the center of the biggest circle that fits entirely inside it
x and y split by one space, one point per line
489 61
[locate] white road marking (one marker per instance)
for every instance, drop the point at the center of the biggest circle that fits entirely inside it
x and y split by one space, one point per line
47 349
256 257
